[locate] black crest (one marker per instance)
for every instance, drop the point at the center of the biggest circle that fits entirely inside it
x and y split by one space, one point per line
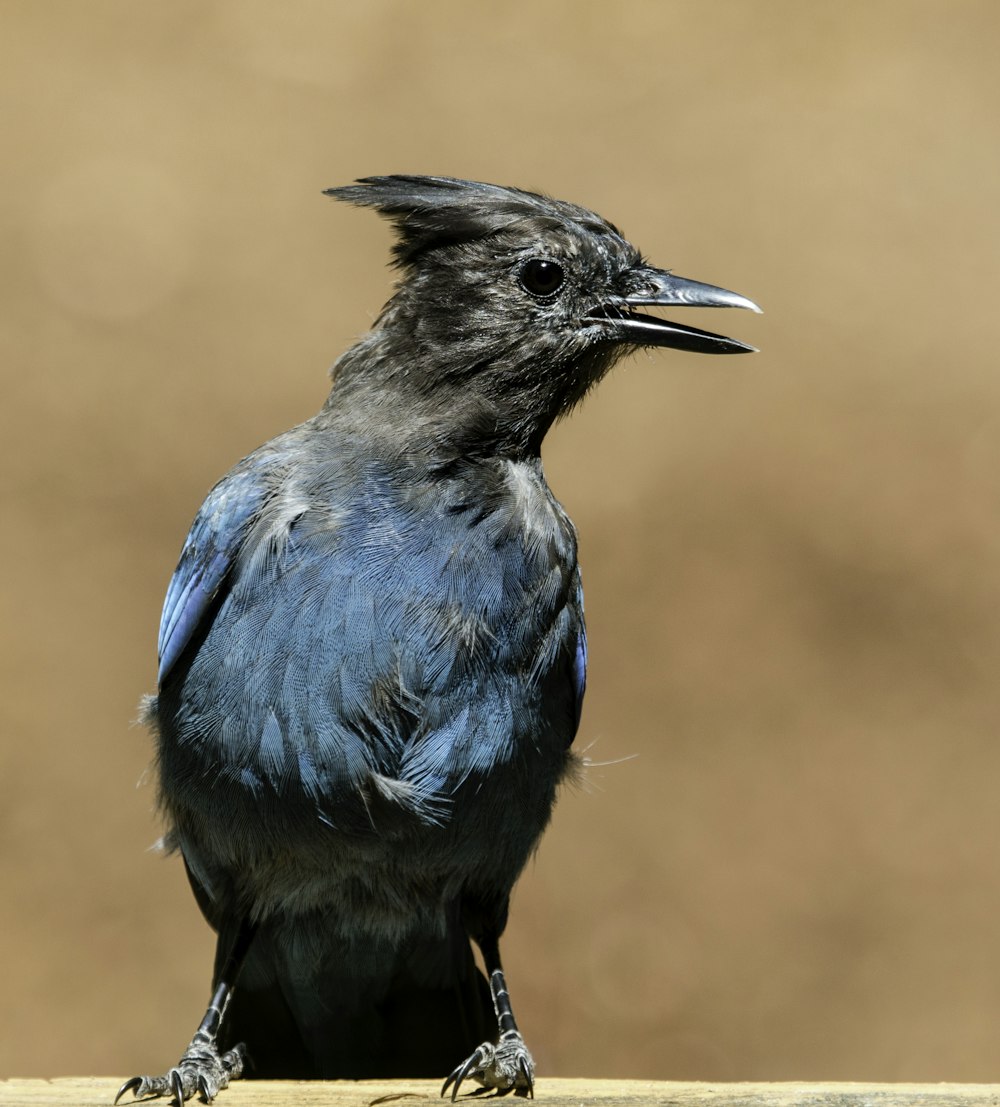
429 212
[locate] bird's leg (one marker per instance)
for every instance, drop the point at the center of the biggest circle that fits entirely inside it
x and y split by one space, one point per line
202 1069
506 1065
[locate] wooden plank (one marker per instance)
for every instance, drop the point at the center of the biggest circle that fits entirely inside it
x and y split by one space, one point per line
100 1092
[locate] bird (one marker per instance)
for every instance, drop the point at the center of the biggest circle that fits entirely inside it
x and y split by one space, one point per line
372 653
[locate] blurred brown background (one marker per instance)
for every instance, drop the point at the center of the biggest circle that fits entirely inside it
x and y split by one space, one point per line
792 560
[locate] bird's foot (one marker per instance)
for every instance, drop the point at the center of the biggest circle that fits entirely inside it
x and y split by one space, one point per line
201 1071
502 1068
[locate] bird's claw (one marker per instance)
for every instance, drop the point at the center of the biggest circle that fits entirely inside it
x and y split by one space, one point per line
501 1069
130 1085
202 1071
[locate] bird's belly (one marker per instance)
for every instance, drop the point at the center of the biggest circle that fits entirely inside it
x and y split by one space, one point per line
397 875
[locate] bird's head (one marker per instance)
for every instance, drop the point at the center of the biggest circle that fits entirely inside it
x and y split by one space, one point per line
512 303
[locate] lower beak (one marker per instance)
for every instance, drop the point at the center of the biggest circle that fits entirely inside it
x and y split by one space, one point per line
658 288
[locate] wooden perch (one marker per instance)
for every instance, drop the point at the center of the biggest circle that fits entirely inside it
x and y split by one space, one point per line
100 1092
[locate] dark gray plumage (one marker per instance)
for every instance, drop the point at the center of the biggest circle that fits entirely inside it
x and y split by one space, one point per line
372 653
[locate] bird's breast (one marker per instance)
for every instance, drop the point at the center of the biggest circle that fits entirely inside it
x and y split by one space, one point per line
384 672
535 507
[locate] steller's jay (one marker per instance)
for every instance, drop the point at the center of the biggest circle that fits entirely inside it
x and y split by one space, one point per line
372 652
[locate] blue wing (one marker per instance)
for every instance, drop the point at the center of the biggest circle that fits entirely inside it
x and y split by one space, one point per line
580 669
214 541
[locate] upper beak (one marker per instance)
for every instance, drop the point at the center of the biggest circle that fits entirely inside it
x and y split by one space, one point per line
658 288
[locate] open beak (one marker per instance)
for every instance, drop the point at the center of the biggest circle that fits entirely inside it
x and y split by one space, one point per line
658 288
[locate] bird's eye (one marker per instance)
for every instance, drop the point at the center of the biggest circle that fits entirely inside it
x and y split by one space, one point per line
542 278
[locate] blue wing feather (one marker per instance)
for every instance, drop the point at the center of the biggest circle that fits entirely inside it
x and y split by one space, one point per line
580 669
215 539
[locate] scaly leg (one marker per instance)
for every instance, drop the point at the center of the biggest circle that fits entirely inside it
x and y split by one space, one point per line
202 1069
505 1066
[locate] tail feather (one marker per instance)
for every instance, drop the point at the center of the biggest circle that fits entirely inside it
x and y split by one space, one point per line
360 1012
